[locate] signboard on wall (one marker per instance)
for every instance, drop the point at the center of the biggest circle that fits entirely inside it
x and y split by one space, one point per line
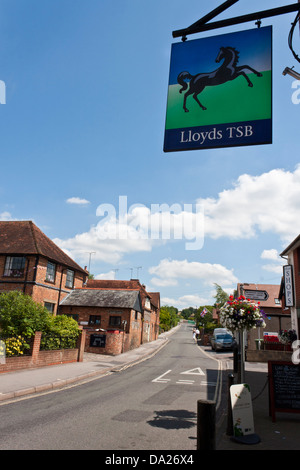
288 285
220 92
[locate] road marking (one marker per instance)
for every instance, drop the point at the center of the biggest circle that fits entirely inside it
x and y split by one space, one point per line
187 382
196 371
209 384
160 378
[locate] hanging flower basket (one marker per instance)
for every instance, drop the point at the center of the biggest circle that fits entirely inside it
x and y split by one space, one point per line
241 314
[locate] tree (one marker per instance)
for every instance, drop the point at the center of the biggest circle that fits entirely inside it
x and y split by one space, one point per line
186 313
221 296
168 317
206 318
20 315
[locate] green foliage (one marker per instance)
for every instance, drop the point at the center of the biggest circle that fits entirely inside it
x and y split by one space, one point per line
186 313
15 346
62 333
21 317
221 296
168 318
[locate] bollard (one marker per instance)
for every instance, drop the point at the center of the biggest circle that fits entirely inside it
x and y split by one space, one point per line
229 430
206 425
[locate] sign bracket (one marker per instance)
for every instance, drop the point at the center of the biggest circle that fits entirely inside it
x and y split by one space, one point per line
203 25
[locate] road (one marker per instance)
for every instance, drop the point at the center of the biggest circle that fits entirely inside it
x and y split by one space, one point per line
150 406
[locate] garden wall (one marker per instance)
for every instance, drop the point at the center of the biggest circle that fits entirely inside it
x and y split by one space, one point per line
40 358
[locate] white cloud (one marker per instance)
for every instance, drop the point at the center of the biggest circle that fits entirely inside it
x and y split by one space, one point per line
168 272
77 200
270 254
107 276
109 250
276 262
185 301
269 202
6 216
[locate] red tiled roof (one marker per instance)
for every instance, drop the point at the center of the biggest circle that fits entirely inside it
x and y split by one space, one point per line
25 238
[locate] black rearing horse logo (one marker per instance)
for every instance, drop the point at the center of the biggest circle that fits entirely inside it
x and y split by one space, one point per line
226 72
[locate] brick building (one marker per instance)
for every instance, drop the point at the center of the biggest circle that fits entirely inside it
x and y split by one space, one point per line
30 262
150 304
292 256
111 318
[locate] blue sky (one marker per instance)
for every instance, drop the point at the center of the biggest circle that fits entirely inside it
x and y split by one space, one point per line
83 127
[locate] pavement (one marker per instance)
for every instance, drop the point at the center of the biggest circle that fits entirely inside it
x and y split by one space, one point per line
283 434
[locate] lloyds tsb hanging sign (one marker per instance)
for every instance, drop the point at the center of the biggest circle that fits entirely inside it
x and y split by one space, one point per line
223 105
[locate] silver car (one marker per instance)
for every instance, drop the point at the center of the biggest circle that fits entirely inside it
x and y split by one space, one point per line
222 340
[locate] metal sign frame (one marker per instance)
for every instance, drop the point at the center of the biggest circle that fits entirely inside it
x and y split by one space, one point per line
201 25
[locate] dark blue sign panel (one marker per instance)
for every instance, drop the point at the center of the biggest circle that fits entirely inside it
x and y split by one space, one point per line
224 106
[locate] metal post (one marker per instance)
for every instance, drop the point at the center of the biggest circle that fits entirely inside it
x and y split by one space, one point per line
235 358
237 20
206 425
229 430
241 358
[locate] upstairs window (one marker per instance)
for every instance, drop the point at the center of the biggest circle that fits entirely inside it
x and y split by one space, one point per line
14 266
114 321
70 278
50 273
95 320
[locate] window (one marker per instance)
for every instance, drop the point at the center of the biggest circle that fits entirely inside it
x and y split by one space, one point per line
14 266
75 316
50 273
49 306
114 321
70 278
95 320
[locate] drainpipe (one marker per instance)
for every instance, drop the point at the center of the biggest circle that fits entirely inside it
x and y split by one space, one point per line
59 292
26 276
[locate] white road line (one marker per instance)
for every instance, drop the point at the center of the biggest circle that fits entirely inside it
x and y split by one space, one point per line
187 382
160 378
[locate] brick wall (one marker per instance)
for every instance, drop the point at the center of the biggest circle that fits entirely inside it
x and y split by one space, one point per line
44 358
118 340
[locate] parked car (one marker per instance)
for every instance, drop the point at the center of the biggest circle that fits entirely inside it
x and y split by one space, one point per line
222 339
